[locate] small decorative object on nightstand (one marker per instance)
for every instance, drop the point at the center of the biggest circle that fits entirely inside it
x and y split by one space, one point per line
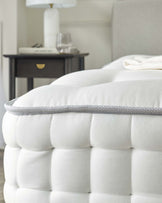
42 66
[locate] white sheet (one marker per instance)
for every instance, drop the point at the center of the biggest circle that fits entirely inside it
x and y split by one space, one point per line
143 63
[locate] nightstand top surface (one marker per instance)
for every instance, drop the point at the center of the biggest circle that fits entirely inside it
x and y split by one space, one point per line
45 55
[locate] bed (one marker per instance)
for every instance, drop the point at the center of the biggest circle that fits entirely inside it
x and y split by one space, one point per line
93 136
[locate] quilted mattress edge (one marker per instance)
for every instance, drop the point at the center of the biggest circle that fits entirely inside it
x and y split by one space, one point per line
97 109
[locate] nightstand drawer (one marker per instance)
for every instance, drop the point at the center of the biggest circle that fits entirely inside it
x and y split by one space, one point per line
32 66
40 68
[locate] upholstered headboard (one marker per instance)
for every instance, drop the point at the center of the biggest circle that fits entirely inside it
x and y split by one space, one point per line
137 27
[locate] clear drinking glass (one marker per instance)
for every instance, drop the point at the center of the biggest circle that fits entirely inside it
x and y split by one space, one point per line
63 42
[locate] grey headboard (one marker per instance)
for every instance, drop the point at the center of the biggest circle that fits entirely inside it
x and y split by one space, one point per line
137 27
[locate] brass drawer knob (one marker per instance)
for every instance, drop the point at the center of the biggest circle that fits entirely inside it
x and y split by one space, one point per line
40 66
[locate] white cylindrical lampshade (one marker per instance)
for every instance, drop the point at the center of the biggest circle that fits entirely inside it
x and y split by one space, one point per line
46 3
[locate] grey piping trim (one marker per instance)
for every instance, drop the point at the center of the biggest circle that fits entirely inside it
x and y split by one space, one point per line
98 109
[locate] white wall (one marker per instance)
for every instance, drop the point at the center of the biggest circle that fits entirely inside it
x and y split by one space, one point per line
2 97
8 18
22 39
9 23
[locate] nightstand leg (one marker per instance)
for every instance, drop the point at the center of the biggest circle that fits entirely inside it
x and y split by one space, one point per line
12 79
68 65
30 83
81 63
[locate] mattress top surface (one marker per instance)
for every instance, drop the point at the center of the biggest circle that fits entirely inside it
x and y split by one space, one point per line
111 85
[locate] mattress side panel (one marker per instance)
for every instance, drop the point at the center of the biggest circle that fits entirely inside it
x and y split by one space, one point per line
83 157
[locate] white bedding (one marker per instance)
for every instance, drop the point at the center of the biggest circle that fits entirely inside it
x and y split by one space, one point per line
143 63
86 157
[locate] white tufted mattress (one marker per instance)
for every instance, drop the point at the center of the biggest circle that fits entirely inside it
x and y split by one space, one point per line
90 137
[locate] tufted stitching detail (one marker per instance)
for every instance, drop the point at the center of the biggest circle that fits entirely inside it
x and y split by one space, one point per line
131 126
18 161
90 135
106 150
52 151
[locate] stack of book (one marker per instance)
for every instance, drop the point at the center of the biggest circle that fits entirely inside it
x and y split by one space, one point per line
42 50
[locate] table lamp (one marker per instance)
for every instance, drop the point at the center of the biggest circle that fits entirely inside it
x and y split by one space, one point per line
51 17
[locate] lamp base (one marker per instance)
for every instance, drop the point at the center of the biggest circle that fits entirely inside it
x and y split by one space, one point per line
51 27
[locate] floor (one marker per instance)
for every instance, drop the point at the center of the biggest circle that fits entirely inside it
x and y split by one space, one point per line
1 177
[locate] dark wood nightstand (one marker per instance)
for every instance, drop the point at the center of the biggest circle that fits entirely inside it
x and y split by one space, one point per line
42 66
